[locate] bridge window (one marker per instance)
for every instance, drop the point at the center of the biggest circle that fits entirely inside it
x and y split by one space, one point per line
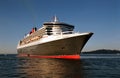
49 31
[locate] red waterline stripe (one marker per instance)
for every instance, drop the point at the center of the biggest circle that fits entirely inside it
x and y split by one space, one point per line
54 56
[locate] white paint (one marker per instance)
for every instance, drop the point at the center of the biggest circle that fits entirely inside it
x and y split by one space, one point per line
46 39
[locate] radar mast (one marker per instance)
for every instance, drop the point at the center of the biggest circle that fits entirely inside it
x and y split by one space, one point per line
55 19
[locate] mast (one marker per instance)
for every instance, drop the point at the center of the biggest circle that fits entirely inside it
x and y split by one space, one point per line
55 19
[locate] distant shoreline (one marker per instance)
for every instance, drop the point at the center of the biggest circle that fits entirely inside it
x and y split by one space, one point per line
102 51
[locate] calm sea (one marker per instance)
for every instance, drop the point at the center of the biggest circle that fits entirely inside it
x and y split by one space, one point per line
89 66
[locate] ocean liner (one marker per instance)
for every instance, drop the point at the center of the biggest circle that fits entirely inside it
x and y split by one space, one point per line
53 40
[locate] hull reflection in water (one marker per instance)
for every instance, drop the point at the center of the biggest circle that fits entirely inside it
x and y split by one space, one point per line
51 68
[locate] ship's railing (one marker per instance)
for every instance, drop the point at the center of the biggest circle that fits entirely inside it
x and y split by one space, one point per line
60 33
67 32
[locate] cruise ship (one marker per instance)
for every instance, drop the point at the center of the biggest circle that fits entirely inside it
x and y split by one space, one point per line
53 40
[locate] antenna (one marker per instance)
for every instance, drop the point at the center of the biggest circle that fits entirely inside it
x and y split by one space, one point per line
55 19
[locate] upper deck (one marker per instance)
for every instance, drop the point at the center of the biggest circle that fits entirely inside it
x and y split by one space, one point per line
56 27
48 28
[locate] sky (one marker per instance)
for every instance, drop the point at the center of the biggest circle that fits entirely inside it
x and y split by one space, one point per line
102 17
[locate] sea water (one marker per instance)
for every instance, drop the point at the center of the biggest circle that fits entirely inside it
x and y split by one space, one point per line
89 66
